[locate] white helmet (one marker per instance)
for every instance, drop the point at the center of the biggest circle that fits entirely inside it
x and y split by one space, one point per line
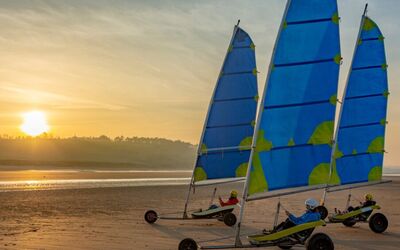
311 203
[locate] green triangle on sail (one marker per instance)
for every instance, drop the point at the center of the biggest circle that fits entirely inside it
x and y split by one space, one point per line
368 24
246 142
376 146
320 175
199 174
241 171
258 182
375 174
204 148
262 143
322 134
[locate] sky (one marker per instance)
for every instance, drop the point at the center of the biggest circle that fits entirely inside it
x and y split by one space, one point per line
148 68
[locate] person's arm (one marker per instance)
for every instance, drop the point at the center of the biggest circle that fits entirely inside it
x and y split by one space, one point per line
295 220
221 202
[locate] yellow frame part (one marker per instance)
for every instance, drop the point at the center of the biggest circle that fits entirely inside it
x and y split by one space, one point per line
214 210
278 235
354 213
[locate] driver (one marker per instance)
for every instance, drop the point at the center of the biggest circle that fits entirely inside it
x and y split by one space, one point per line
310 215
233 200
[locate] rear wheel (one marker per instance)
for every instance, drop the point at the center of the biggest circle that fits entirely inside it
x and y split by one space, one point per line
349 222
322 211
188 244
230 219
150 216
320 241
378 223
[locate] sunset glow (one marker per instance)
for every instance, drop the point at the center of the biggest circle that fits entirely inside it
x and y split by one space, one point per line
34 123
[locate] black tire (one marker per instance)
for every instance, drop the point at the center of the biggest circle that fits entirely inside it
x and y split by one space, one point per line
349 222
378 223
320 241
230 219
150 216
188 244
323 211
349 209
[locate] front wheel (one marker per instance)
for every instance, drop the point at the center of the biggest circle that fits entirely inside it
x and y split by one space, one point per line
320 241
323 211
378 223
188 244
230 219
150 216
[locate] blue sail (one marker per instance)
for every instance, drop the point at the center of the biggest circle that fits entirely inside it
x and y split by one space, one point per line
226 144
362 125
297 113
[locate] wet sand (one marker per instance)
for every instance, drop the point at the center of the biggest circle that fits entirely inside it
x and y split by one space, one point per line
112 218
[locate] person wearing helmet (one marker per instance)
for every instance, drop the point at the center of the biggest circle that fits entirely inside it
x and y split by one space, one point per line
369 201
310 215
233 200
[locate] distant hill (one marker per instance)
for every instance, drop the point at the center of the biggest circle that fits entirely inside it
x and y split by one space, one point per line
95 153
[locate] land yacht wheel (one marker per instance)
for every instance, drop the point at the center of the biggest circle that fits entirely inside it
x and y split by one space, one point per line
349 222
230 219
188 244
323 211
378 223
151 216
320 241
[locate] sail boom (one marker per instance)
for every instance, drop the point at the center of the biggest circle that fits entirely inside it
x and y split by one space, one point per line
222 149
356 185
219 181
279 193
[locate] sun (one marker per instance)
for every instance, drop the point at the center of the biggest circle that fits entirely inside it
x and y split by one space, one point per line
34 123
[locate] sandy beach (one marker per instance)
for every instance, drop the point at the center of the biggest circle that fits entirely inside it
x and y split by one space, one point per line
112 218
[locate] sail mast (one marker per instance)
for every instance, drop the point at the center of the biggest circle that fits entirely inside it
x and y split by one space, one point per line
342 105
253 146
235 29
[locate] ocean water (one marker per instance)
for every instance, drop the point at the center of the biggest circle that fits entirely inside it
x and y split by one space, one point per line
27 185
7 186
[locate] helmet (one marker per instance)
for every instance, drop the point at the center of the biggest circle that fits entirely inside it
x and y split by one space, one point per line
368 197
311 203
234 193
